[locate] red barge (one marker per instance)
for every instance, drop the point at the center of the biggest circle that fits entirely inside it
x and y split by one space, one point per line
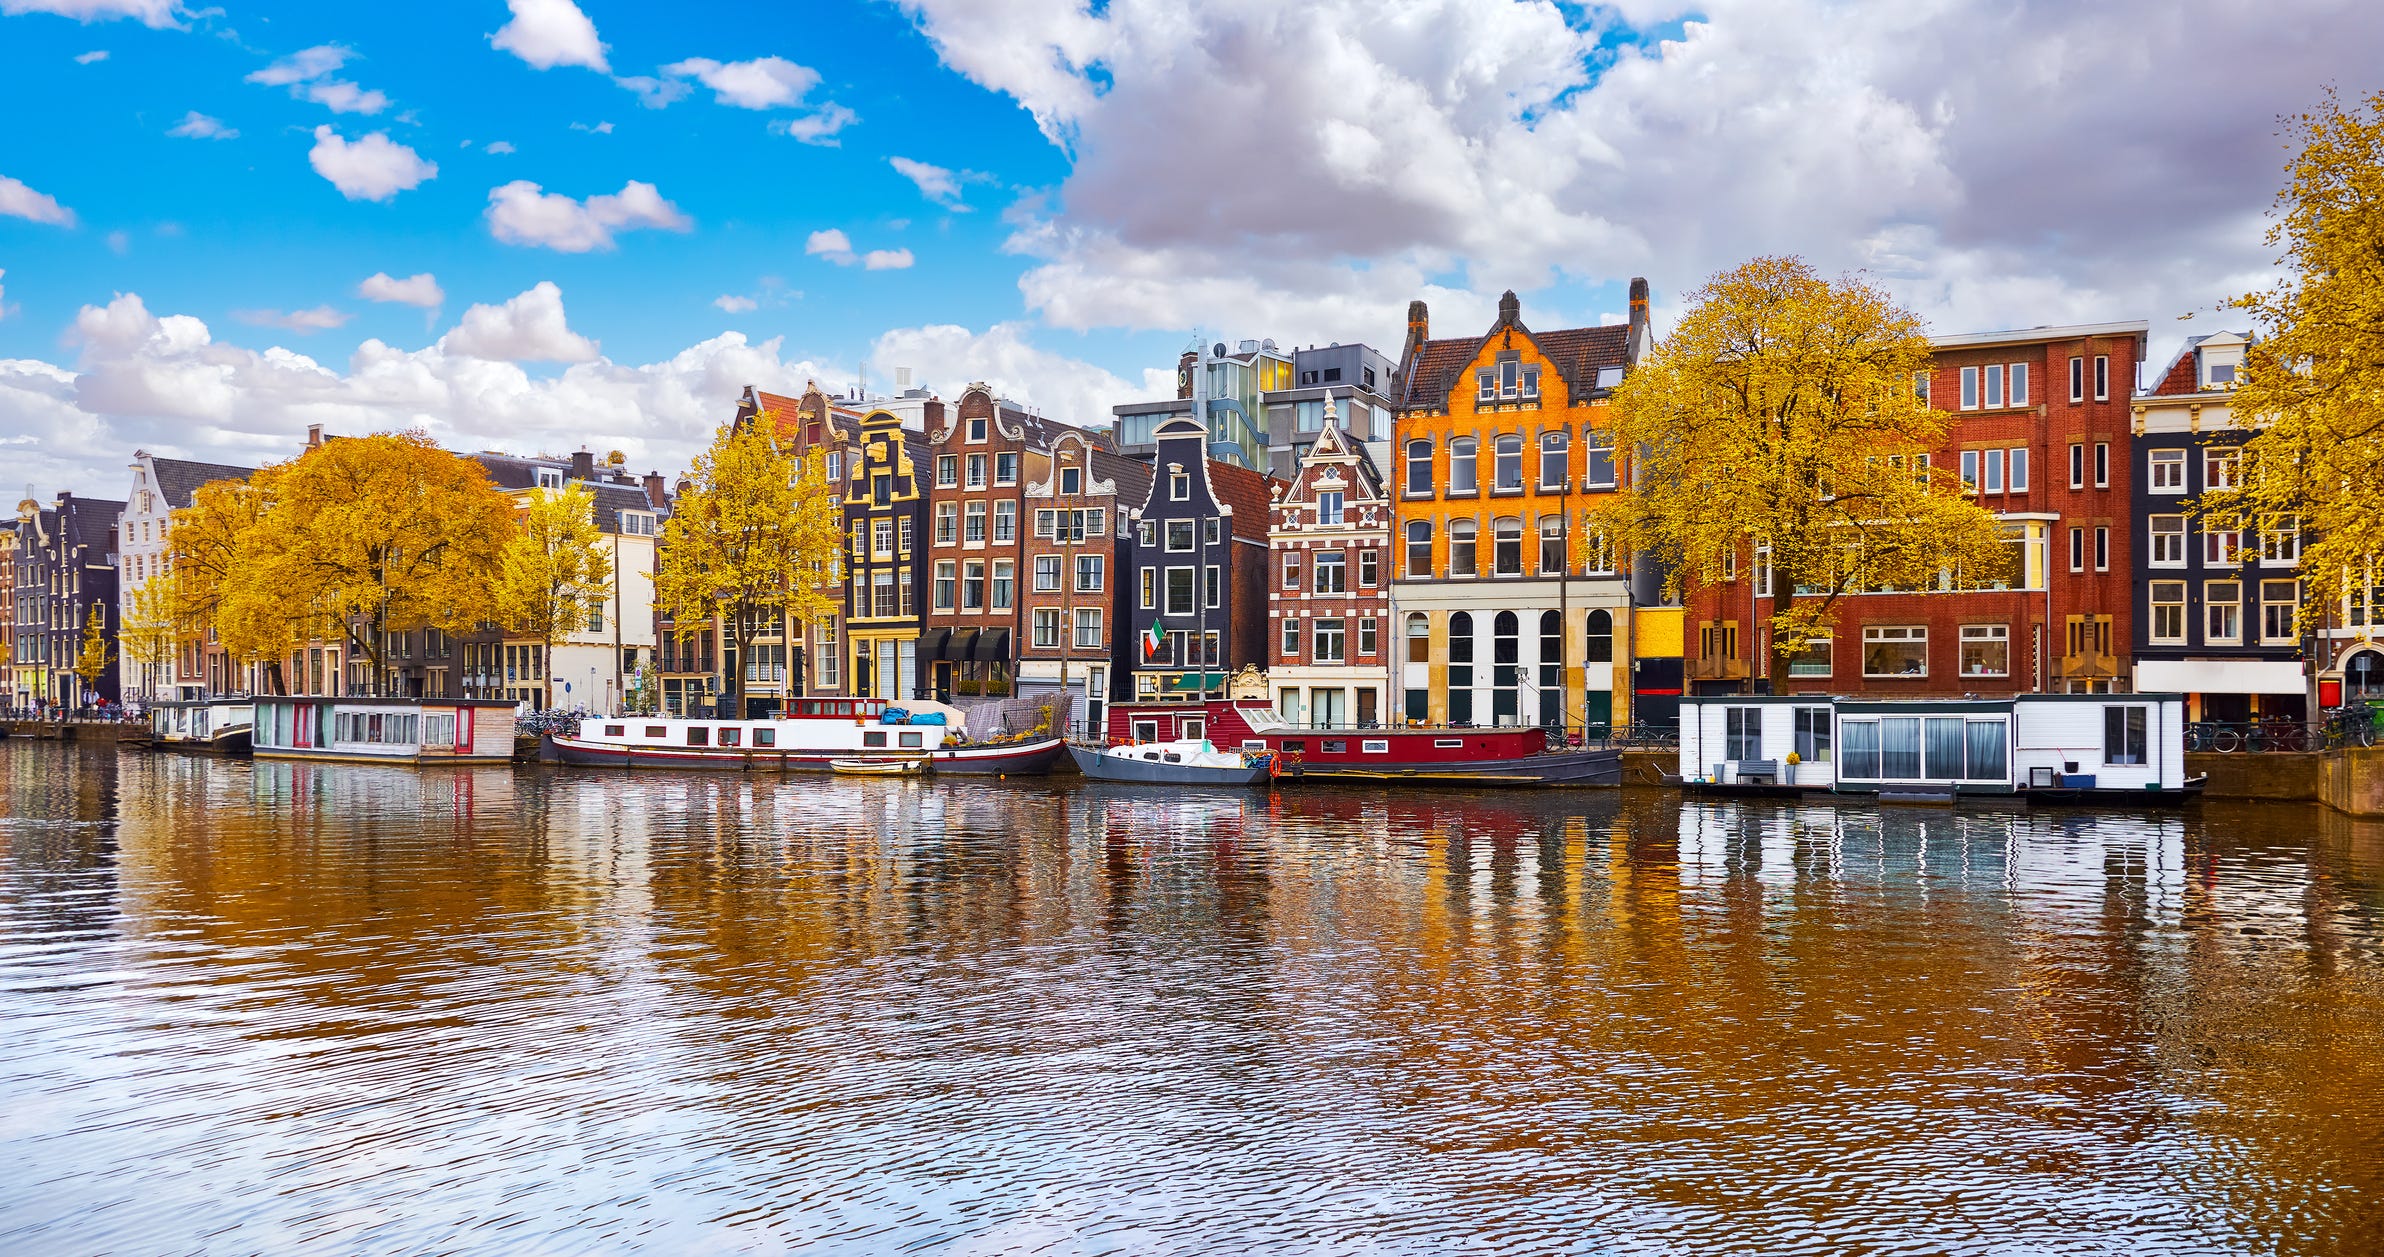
1463 756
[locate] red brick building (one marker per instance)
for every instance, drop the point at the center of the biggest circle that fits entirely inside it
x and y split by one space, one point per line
1329 648
1074 583
981 455
2039 429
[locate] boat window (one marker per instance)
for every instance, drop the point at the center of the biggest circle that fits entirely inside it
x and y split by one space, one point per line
697 735
616 731
1439 742
873 739
1174 758
765 737
914 739
731 737
1253 744
1296 744
1376 746
657 731
1336 748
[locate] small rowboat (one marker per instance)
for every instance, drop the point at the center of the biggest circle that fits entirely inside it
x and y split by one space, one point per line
878 767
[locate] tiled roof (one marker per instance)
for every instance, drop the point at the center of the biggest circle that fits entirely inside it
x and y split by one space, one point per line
1247 492
1578 354
178 479
1132 476
513 473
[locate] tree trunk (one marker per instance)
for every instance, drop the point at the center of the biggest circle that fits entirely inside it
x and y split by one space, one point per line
546 670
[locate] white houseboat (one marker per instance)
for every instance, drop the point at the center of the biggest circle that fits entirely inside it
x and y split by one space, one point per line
2075 748
384 730
212 726
813 734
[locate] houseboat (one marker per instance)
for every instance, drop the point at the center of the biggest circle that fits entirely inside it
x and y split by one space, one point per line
2044 748
383 730
1182 763
1506 755
209 726
812 734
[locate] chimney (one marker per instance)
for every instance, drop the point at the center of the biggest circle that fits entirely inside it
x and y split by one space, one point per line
1419 329
1639 302
314 436
1510 309
931 414
656 495
583 464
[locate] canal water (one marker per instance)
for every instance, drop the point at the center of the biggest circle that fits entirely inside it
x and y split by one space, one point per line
300 1008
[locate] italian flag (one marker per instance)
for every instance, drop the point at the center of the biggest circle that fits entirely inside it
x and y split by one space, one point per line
1154 641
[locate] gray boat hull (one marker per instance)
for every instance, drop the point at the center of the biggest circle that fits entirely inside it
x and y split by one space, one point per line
1101 767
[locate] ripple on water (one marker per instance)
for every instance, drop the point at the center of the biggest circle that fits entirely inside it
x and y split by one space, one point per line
273 1007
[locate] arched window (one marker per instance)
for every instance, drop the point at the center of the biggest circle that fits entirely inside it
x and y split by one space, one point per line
1509 452
1460 692
1552 460
1551 687
1419 652
1461 466
1461 548
1598 643
1419 549
1506 668
1419 468
1552 545
1507 551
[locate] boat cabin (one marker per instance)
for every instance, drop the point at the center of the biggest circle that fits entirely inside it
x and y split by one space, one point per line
384 730
206 721
2043 742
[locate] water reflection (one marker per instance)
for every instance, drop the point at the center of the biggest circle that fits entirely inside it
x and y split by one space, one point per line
295 1006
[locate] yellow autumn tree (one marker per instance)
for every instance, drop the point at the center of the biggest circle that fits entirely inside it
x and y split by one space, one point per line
755 540
554 573
147 631
1781 413
356 539
95 654
2312 383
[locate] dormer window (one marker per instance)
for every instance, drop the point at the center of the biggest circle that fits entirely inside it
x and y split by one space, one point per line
1071 480
1179 487
1509 374
550 478
2222 375
637 524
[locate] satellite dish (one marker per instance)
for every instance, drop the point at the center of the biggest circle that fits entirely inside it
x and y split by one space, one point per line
1218 351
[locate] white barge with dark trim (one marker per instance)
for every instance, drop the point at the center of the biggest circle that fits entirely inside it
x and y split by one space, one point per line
207 726
812 735
2044 748
383 730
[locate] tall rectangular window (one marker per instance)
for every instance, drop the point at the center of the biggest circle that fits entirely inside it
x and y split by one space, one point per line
2077 466
1970 388
1995 387
2164 471
2102 465
1970 469
2125 734
2168 541
1047 573
2077 379
2102 549
1599 448
2222 605
1994 471
1088 627
2102 377
2280 602
2019 385
2168 613
2019 468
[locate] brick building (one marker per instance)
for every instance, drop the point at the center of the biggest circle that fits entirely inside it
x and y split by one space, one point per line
1509 611
1329 650
1077 587
885 510
66 574
983 455
2039 431
161 487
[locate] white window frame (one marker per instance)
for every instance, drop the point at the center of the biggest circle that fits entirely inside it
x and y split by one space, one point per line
2167 602
1910 633
2164 472
2165 541
1984 633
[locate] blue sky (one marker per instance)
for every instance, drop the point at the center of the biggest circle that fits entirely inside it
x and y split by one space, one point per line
1051 195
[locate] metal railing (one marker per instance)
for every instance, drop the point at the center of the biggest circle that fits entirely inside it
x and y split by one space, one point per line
2344 727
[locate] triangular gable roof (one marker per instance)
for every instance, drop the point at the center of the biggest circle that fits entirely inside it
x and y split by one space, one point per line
1334 447
177 479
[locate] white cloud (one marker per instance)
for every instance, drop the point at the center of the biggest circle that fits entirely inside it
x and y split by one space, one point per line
92 57
303 322
935 182
341 96
415 290
549 33
160 14
374 168
654 93
498 149
762 83
952 357
735 304
163 383
521 213
302 66
834 246
817 128
19 201
601 128
528 328
1485 145
198 126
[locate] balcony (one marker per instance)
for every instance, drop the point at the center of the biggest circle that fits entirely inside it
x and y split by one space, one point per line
2092 665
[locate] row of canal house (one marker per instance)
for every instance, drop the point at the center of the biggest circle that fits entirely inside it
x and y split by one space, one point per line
2114 584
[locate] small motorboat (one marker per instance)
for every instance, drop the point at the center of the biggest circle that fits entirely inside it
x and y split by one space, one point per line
1184 762
878 767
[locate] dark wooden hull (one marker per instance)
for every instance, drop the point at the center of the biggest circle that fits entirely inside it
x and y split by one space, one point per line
1012 759
2057 797
1565 768
1748 789
234 743
1140 772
